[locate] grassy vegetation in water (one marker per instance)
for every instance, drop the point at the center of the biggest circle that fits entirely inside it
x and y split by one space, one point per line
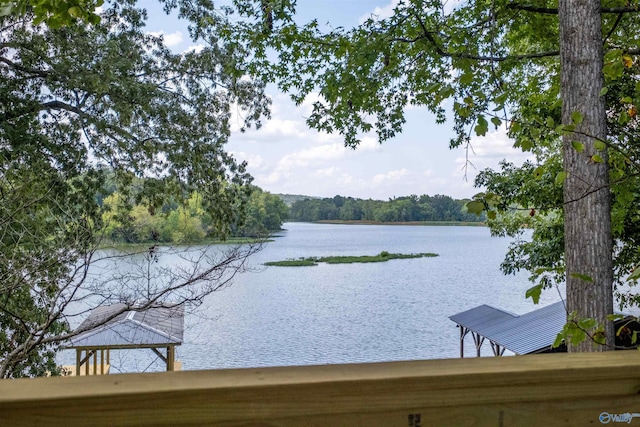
381 257
302 262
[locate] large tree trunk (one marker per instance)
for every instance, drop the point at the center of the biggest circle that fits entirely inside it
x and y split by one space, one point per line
587 209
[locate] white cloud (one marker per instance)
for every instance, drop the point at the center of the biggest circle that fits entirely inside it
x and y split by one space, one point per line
170 39
369 143
327 172
493 147
496 144
450 5
254 161
279 127
395 176
313 156
487 152
195 48
380 12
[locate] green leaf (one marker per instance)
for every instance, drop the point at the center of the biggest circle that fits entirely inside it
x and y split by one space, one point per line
75 11
578 336
6 9
583 277
496 122
525 144
614 317
604 91
482 127
587 323
535 133
538 172
635 274
596 158
501 99
627 100
466 78
578 146
558 341
491 215
534 293
613 55
94 19
599 145
560 177
551 123
475 207
576 117
623 118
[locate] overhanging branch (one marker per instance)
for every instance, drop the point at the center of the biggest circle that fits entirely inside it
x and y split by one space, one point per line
554 11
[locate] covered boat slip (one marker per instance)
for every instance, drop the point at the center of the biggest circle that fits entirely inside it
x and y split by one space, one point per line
111 327
530 333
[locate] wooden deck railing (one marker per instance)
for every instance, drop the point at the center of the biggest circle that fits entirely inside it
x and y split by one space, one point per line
552 389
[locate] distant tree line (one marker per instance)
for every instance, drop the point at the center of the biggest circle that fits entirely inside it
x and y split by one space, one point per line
400 209
128 221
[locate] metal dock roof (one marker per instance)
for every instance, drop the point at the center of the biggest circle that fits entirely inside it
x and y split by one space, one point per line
532 332
481 318
156 326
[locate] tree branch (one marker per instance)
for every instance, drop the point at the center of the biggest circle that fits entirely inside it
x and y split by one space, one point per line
534 9
554 11
18 67
429 36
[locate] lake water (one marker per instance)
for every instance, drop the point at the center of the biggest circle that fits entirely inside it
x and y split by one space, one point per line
347 313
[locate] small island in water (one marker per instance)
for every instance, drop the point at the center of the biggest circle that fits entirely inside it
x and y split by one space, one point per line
381 257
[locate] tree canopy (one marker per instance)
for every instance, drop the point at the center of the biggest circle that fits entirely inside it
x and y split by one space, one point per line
91 106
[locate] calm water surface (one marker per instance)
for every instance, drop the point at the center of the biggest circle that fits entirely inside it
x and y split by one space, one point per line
397 310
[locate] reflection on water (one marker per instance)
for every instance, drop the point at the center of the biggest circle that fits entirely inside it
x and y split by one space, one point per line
348 313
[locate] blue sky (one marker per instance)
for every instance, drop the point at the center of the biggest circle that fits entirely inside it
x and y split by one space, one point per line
284 156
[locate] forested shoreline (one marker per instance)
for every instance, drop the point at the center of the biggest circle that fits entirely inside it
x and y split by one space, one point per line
424 208
185 223
188 222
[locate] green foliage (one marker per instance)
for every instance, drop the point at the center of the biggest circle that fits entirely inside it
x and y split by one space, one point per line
534 293
303 262
399 209
189 223
265 213
577 330
96 106
383 256
418 56
54 14
543 255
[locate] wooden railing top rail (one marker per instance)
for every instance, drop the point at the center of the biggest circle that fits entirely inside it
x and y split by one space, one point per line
551 389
